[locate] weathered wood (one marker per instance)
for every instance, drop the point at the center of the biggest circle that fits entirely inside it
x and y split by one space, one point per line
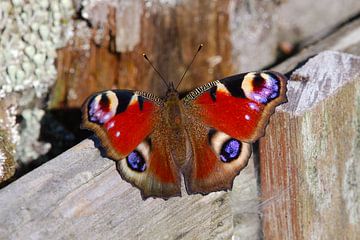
79 195
245 204
239 36
312 149
276 196
293 213
103 57
346 39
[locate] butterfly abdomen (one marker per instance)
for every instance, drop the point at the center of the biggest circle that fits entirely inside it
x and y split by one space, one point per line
174 125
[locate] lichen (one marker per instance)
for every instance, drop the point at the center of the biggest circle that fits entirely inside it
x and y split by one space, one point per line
30 34
26 153
7 162
31 31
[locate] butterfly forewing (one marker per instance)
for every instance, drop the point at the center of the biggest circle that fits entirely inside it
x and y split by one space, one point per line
224 117
120 118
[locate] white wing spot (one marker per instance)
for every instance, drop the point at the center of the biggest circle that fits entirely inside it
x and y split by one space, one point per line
253 106
111 125
247 117
117 134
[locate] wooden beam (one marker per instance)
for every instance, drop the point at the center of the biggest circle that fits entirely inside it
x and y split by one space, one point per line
311 150
80 195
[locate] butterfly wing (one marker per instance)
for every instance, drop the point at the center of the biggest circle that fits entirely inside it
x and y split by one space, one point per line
126 123
224 118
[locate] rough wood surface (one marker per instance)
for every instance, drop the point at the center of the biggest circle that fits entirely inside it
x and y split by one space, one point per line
295 213
105 51
312 149
79 195
102 57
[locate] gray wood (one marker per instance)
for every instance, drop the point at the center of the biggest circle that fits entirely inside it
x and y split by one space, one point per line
79 195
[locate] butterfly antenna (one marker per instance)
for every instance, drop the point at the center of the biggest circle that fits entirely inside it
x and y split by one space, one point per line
162 78
182 77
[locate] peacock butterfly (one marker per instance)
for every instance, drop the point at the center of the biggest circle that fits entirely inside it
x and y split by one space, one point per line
205 137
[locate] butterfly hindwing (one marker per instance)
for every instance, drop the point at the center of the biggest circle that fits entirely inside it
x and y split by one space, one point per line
225 116
151 168
128 124
217 159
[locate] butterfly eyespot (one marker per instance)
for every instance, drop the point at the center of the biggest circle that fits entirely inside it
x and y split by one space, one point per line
102 107
230 150
136 162
261 88
104 102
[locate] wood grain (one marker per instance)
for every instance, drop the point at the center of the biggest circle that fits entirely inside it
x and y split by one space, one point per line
79 195
311 149
101 57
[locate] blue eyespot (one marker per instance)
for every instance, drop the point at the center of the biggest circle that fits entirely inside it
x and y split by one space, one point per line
136 162
230 150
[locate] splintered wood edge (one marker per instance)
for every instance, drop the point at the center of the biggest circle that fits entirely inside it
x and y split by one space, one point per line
322 76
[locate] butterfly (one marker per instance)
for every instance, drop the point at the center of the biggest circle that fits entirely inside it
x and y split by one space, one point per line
204 138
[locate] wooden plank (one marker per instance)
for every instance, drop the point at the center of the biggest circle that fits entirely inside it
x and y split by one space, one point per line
312 148
346 39
79 195
240 36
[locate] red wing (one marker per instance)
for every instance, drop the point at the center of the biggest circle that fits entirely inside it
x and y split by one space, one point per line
224 117
128 124
151 168
240 105
120 118
216 160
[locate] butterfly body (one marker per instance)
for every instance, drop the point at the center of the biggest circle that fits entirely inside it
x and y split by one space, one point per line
174 115
205 137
